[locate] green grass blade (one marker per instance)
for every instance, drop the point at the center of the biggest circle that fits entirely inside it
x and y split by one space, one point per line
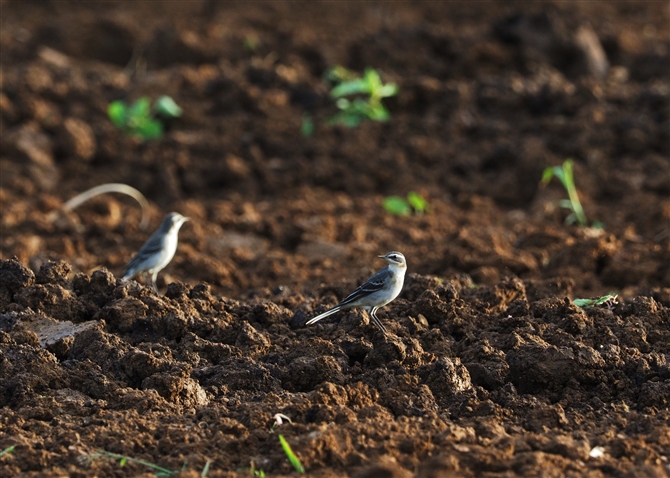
7 450
569 183
295 461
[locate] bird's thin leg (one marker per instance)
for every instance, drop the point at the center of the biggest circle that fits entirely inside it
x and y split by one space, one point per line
153 281
376 321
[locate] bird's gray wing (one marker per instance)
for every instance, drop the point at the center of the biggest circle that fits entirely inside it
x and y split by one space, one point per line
375 283
150 249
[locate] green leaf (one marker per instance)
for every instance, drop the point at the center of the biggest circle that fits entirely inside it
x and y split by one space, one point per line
351 87
586 303
583 302
117 113
389 89
547 175
378 113
123 461
295 461
149 128
373 80
397 206
167 107
140 109
418 203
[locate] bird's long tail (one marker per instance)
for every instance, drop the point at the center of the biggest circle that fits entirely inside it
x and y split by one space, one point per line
324 315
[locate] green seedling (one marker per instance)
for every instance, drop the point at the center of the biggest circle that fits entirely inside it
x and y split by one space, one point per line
253 471
610 300
369 91
295 461
399 206
7 450
140 119
565 175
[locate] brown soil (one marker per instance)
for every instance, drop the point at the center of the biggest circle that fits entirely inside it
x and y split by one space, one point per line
489 369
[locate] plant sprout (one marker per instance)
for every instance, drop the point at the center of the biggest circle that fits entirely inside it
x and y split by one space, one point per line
140 119
368 105
253 471
279 420
295 461
7 450
399 206
609 300
565 175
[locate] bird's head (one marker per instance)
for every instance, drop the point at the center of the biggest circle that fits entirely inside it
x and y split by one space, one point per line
395 258
173 220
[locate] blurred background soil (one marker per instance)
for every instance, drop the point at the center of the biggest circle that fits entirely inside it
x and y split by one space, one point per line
489 370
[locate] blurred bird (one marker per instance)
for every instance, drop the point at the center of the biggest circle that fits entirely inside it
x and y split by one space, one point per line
380 289
158 251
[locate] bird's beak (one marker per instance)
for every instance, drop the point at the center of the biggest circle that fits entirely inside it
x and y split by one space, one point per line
382 257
